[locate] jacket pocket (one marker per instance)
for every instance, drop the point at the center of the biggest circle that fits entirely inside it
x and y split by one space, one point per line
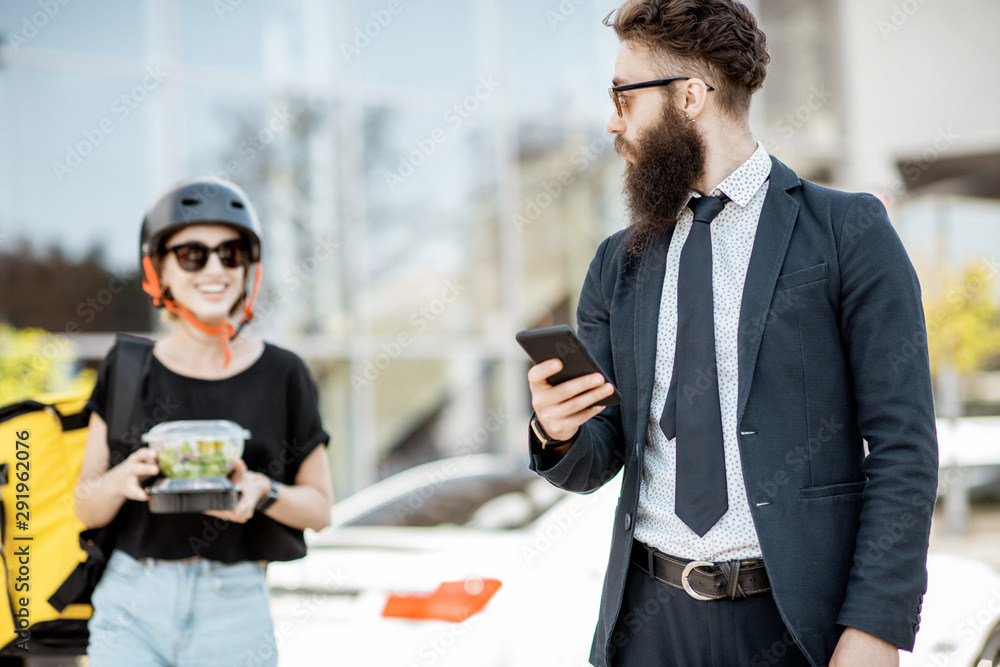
827 490
804 277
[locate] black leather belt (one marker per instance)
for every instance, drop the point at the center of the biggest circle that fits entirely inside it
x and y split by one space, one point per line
732 580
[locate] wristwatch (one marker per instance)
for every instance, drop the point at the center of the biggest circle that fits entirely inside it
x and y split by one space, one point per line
543 437
268 498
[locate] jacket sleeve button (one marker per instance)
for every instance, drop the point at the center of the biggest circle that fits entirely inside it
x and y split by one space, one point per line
628 521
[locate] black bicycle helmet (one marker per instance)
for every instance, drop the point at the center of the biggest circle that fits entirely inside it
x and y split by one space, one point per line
199 201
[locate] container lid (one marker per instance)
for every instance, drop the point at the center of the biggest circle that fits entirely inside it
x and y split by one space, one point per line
196 429
193 485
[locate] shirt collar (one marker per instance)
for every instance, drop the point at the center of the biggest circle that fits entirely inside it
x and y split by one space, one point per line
743 184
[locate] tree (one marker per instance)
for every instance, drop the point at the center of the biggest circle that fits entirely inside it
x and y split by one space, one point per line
33 361
963 319
47 289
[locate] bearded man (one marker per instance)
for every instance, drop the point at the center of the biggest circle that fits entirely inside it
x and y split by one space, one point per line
767 338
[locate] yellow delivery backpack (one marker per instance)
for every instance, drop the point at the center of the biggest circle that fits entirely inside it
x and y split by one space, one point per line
41 451
50 563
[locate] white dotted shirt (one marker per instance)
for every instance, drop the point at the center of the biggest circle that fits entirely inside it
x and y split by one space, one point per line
733 231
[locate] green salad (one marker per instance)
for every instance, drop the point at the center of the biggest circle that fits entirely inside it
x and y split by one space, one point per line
197 458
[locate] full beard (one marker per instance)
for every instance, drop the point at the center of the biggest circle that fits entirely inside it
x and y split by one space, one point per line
667 161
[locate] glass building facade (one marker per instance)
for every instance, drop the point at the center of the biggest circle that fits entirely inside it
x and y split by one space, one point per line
428 185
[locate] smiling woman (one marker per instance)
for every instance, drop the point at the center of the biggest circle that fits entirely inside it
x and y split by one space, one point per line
200 247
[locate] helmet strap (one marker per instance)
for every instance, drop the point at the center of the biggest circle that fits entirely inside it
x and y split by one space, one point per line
224 330
151 282
248 304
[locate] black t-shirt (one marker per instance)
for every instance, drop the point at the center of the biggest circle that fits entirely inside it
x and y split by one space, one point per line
275 399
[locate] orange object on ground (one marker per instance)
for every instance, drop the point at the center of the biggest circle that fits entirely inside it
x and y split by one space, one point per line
453 601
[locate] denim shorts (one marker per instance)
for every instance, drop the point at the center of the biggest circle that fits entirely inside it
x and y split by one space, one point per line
188 613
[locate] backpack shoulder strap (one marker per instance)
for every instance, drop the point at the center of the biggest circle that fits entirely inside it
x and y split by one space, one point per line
132 365
135 354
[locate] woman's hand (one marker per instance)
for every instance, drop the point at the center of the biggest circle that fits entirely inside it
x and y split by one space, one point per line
140 464
253 486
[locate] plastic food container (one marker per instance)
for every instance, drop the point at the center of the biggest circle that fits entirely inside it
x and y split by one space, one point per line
195 456
197 448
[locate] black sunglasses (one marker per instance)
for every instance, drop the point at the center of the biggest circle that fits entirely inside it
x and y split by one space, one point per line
194 256
616 98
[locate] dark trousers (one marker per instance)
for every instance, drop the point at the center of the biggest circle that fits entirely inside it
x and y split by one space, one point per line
662 626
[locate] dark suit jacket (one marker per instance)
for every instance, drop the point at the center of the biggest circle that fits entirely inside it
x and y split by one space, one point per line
832 352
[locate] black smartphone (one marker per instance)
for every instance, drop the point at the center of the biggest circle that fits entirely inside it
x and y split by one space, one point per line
561 342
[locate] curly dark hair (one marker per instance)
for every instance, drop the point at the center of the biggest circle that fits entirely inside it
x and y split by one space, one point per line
716 40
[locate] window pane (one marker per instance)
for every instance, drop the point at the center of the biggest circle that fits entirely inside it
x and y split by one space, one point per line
77 168
424 48
431 249
569 189
283 151
483 501
284 40
107 28
570 62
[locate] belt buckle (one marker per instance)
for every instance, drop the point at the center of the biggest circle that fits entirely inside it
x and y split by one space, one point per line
688 569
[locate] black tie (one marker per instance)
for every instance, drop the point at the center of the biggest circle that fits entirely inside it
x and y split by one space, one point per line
692 413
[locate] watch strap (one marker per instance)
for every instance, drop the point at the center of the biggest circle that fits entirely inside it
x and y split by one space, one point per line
268 498
543 437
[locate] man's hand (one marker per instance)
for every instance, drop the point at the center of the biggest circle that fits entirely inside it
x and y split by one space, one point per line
562 409
857 649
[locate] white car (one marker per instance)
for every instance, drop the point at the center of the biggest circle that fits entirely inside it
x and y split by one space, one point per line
477 519
470 519
960 619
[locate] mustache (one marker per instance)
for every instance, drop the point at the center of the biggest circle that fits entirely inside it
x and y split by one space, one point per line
621 145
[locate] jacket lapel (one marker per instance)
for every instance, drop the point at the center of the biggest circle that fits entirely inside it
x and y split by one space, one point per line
649 289
777 218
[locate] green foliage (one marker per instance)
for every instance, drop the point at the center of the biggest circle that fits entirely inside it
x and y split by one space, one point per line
963 319
33 361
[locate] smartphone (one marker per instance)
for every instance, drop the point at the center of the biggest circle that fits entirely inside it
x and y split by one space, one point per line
561 342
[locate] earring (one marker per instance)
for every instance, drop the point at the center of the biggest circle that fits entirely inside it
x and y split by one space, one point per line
688 119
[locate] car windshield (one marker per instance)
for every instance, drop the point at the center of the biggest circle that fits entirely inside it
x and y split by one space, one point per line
497 501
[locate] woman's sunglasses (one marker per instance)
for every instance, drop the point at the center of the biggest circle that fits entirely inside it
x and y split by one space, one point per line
194 256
